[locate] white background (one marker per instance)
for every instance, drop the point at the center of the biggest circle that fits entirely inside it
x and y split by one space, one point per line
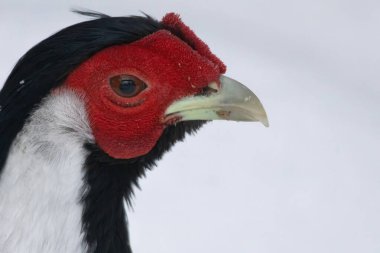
310 182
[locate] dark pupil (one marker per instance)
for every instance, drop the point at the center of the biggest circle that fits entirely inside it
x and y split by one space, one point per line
127 86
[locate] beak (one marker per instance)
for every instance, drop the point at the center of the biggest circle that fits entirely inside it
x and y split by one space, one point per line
230 100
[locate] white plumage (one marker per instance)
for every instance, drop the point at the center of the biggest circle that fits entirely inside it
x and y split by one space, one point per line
42 180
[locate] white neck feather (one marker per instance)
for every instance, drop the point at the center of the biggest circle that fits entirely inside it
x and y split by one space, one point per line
41 183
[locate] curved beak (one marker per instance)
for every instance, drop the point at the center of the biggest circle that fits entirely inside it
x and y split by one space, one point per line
230 100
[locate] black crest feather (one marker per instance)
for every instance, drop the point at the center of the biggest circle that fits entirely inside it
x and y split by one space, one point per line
90 13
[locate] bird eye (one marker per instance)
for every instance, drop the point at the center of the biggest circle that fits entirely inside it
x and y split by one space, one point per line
127 85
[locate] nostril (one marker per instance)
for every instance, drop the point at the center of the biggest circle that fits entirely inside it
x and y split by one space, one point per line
210 89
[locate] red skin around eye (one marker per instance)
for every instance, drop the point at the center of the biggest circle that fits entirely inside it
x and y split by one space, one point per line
130 127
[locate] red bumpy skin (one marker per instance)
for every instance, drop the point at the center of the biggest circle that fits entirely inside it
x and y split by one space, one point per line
174 63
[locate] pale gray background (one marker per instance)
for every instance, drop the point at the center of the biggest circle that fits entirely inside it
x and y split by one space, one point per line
310 182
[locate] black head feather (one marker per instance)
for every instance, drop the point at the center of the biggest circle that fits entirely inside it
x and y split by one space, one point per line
90 13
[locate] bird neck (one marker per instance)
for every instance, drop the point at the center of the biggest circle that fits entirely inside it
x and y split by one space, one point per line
58 191
109 185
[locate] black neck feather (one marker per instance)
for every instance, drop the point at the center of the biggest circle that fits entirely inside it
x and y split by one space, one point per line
109 184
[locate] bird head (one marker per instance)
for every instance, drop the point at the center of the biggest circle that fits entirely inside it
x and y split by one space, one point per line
134 91
136 86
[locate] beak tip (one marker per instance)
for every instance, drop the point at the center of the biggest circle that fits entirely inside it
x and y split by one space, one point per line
265 122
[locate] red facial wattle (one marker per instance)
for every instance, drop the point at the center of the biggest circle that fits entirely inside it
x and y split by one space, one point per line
127 127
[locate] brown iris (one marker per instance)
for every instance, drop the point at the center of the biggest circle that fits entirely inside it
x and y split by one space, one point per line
127 85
